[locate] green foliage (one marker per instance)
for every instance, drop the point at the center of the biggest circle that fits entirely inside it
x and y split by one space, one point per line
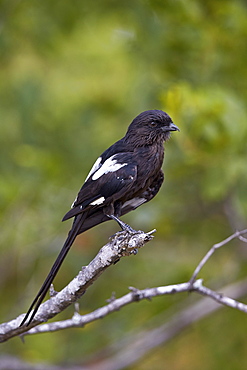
72 76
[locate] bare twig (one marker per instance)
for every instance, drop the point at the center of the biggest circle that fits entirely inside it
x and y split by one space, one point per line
237 234
242 238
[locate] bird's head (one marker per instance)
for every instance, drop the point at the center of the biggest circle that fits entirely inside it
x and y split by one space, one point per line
150 126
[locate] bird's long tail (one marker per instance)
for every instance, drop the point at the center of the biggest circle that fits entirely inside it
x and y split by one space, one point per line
54 270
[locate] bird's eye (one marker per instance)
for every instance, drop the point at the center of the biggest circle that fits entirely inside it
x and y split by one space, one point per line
153 124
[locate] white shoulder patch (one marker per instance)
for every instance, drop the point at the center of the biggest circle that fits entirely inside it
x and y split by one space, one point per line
98 201
110 165
95 167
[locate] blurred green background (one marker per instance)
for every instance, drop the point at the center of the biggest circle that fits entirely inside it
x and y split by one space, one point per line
73 74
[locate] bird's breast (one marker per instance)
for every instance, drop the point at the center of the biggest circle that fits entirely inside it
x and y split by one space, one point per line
149 162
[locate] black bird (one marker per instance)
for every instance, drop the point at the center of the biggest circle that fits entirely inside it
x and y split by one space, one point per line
125 176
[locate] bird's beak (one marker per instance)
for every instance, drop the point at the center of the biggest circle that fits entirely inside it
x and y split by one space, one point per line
171 127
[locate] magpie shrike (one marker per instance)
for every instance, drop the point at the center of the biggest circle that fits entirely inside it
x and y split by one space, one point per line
127 175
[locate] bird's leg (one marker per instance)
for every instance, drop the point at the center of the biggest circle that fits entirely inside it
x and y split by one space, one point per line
122 224
113 212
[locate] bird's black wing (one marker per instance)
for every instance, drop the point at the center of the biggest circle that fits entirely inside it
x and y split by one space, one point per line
111 181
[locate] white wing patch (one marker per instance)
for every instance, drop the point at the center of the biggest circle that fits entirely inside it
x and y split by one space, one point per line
110 165
95 167
98 201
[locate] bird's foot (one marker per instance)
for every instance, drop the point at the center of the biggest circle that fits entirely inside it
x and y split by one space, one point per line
128 243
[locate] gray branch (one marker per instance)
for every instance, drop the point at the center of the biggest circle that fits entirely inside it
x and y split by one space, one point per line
136 295
121 244
135 346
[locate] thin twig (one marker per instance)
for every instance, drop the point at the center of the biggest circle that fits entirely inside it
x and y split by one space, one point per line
237 234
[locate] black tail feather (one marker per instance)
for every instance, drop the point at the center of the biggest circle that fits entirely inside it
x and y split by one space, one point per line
54 270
